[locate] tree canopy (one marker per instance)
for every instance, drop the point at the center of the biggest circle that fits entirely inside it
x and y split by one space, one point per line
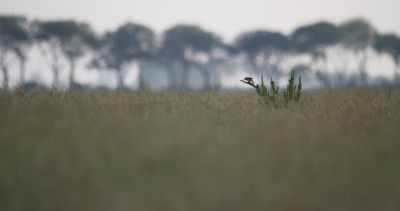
177 40
261 46
308 38
262 40
389 43
357 34
182 44
14 37
130 42
183 48
64 38
12 30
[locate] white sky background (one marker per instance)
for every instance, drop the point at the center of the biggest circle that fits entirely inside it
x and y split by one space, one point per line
226 18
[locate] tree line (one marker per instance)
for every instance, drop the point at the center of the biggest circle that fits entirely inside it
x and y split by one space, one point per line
182 48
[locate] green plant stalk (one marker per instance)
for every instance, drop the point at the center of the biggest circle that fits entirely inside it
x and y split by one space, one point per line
389 93
298 92
292 93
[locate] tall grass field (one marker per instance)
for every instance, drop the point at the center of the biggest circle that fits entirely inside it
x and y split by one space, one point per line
177 150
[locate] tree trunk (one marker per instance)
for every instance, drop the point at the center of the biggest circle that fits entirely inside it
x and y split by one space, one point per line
171 76
185 75
5 74
320 72
55 75
396 75
22 71
362 68
72 72
4 66
207 76
142 83
120 79
397 69
207 79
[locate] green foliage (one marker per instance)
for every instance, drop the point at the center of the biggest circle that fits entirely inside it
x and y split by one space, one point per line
292 93
262 90
389 92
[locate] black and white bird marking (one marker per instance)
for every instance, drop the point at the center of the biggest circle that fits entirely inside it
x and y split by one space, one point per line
249 79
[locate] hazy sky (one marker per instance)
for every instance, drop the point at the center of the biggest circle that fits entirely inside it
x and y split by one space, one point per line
225 17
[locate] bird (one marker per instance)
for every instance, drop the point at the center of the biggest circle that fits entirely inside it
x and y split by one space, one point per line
249 79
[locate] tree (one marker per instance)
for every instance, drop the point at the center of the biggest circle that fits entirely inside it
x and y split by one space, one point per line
14 39
49 36
264 50
60 40
389 43
74 47
217 57
314 40
130 42
357 35
186 44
